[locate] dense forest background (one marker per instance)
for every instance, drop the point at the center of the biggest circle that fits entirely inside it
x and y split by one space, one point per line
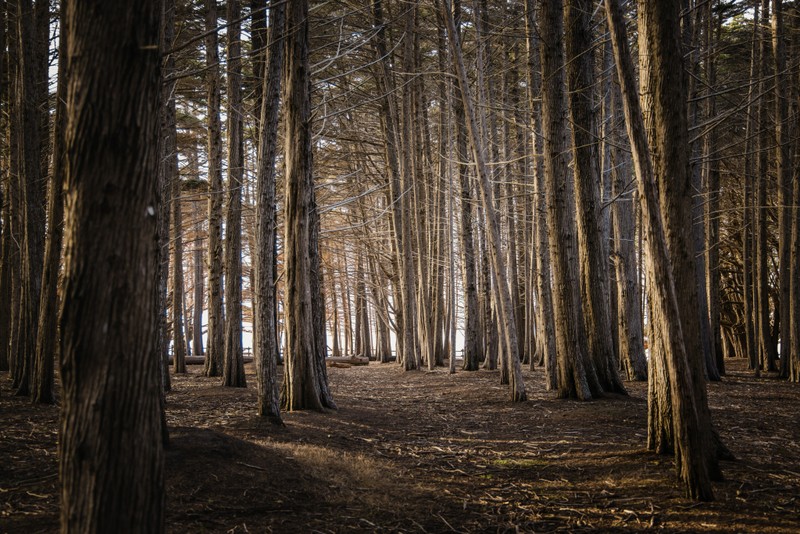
598 192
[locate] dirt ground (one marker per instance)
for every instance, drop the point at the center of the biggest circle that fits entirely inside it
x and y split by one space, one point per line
433 452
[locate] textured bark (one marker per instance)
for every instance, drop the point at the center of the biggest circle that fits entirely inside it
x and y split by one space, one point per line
506 310
783 170
576 377
674 386
301 382
110 447
266 351
712 186
216 323
47 342
592 252
748 215
540 249
32 191
233 362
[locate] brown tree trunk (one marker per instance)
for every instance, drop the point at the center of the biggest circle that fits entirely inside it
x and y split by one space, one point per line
301 382
576 376
31 189
674 387
233 362
593 255
266 350
47 342
111 460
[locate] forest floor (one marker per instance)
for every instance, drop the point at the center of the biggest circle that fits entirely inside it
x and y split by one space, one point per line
433 452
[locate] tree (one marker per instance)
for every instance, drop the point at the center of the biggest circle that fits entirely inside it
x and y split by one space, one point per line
233 364
593 252
110 449
304 386
46 344
216 339
32 197
576 377
266 351
672 404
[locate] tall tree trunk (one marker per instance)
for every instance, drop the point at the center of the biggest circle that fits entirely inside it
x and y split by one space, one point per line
198 291
576 376
712 173
592 252
783 171
302 381
540 249
31 187
111 459
692 452
47 342
233 363
266 350
216 323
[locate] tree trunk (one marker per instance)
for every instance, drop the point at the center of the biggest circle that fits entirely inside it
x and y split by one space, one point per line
233 363
32 190
216 323
47 342
576 376
301 383
675 387
592 252
266 350
111 459
783 166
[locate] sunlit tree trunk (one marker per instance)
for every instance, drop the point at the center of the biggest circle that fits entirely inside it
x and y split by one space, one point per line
660 24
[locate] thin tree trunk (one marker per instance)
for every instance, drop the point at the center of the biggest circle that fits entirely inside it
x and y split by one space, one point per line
266 349
47 342
233 363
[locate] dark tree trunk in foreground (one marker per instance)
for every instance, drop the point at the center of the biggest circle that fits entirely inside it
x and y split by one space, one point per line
215 339
266 350
111 459
233 365
303 383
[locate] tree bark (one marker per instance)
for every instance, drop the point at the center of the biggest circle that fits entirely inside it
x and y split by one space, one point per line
216 323
301 382
593 257
266 350
233 363
692 452
111 459
47 342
